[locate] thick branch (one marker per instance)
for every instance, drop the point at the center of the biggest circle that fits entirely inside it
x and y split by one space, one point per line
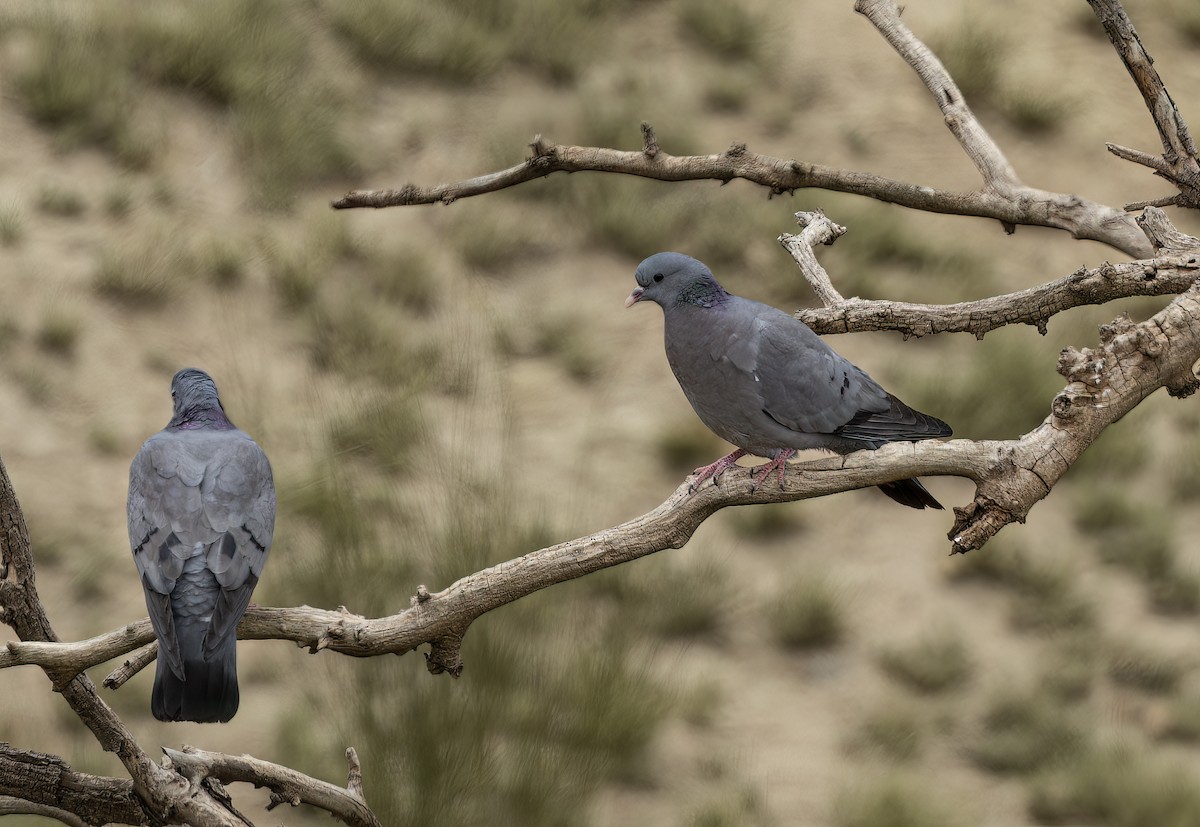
1011 477
41 783
287 786
1178 162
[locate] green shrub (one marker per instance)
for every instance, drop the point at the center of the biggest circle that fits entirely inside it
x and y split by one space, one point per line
938 661
807 612
890 801
1025 731
1141 668
1118 786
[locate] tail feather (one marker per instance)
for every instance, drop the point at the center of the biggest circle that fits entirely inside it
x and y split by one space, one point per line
910 493
207 694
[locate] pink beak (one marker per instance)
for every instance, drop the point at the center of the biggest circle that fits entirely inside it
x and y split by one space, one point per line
635 296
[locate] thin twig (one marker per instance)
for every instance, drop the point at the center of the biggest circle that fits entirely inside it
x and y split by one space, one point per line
1178 163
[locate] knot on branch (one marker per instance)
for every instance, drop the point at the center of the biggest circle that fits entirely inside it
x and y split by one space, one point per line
1184 386
543 153
444 655
1162 233
1122 338
1083 366
818 228
977 523
335 632
649 141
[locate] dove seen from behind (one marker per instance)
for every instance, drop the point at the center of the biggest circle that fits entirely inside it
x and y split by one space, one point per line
201 515
763 381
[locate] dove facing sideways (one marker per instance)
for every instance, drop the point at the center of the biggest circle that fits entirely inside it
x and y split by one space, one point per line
201 515
763 381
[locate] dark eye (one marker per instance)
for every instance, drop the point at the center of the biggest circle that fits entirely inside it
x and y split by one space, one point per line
658 276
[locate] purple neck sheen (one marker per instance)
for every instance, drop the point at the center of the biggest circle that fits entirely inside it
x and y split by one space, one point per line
209 417
704 292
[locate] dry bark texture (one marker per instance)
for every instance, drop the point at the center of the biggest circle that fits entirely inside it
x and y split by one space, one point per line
1130 362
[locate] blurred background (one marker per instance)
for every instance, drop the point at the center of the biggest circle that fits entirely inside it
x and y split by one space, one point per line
440 389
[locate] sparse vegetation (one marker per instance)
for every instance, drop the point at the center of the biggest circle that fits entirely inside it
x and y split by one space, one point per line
1024 731
896 729
687 445
404 274
974 53
59 331
724 27
226 106
58 200
12 224
1045 594
219 260
145 271
1035 112
1139 667
75 83
1118 786
1071 667
379 428
808 612
1183 722
118 202
938 661
890 801
693 603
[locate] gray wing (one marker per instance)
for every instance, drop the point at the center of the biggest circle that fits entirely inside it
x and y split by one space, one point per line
215 492
804 385
238 493
807 387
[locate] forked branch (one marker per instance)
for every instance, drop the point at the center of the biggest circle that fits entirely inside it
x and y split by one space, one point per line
1178 162
1169 273
1002 196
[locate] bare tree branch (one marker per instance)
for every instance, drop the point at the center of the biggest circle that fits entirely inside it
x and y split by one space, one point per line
1002 197
1080 217
1178 162
39 783
1168 274
818 229
164 797
11 806
286 785
1011 476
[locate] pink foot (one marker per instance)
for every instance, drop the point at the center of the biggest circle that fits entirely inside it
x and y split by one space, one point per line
777 465
715 470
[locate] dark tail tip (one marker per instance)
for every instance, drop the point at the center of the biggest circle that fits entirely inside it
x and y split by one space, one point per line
910 493
208 694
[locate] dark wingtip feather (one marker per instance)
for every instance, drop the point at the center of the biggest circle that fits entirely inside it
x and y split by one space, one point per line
911 493
899 423
208 695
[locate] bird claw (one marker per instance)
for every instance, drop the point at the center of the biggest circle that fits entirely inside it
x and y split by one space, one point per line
778 464
714 471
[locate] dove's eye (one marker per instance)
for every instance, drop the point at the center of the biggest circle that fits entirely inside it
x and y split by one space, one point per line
658 276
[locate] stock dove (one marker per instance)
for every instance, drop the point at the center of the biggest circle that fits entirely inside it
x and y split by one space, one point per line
763 381
201 514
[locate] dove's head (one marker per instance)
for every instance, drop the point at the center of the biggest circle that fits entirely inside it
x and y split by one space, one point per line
196 401
673 278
